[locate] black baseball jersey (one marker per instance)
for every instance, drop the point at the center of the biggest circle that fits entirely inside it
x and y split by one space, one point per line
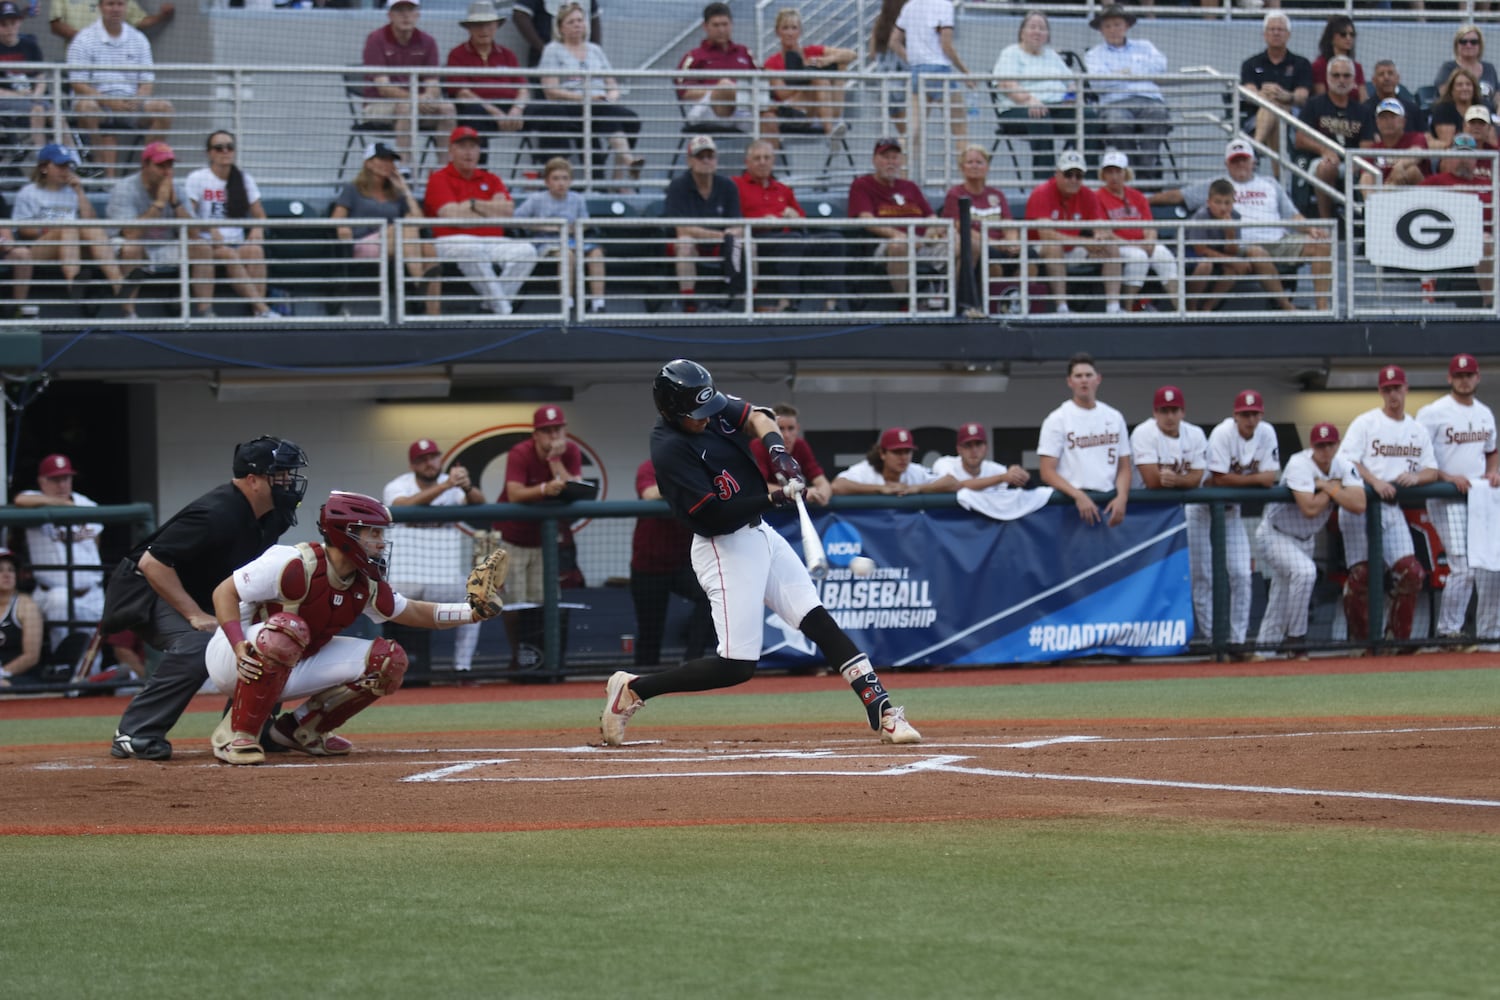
711 480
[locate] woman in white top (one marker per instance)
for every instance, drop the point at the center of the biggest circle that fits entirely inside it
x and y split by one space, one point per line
222 191
55 194
563 65
1031 101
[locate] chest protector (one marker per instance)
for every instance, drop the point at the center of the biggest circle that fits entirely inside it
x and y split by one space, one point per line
307 589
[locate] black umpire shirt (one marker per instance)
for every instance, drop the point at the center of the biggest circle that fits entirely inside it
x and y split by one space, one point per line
212 537
711 480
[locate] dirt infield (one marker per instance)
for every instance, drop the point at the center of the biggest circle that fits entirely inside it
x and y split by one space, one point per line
1386 772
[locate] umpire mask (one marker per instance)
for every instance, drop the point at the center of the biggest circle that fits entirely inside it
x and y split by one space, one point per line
280 461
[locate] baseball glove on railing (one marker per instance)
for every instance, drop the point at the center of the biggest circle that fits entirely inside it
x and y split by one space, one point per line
485 581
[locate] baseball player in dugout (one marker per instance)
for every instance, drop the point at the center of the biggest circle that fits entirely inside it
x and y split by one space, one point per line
162 591
1463 440
279 618
63 595
971 468
1169 453
1320 479
818 488
1242 451
708 475
1085 445
1389 449
888 468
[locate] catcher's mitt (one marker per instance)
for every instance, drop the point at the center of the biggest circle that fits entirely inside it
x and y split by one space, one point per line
485 581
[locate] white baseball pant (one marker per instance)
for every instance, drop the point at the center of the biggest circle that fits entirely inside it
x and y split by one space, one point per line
1236 560
1395 535
339 662
1136 263
743 572
1289 562
88 607
1451 518
477 257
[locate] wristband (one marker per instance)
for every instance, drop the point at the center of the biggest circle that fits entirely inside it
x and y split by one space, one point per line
452 614
234 632
774 442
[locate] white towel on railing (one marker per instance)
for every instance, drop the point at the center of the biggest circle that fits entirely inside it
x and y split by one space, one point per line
1484 526
1004 505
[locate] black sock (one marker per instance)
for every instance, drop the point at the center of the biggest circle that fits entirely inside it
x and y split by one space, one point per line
703 674
862 678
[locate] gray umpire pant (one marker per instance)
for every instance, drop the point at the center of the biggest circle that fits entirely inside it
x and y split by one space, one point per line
156 708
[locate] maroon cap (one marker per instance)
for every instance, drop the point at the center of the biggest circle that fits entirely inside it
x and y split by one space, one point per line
461 133
970 432
1392 375
1324 434
547 416
1463 364
421 449
1249 401
887 142
896 438
54 466
1167 397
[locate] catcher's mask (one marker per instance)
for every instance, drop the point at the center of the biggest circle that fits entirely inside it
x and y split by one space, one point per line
355 525
279 461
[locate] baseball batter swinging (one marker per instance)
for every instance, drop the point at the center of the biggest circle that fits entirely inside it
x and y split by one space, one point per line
708 476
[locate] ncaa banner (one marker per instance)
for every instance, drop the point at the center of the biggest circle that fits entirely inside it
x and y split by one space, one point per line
953 587
1424 228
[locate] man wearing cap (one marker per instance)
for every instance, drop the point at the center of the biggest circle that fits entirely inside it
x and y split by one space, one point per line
1465 449
1085 445
148 196
818 487
1132 106
762 196
486 103
112 100
1140 251
888 469
1391 131
971 467
1168 453
429 560
1461 173
1389 449
885 194
1479 123
1337 116
23 95
1064 199
710 98
1278 75
700 193
400 44
69 592
465 200
1320 480
1242 452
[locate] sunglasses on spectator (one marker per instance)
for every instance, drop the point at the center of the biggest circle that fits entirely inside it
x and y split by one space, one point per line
1340 76
706 154
1075 174
1347 33
1468 41
222 147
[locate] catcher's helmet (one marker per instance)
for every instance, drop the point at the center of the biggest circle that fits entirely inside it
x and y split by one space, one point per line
279 460
684 388
346 511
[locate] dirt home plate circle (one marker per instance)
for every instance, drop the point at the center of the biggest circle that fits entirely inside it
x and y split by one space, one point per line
861 565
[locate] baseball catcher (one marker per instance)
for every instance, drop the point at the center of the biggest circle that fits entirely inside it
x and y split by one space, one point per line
280 618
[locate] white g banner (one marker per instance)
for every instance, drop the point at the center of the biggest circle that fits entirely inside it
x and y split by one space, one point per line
1424 229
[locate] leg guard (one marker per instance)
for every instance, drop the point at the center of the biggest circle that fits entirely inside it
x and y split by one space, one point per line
385 666
255 700
1407 578
1357 601
872 694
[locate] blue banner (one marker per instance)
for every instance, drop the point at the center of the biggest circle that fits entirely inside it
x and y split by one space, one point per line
953 587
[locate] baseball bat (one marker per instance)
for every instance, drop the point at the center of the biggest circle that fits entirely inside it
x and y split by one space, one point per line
812 545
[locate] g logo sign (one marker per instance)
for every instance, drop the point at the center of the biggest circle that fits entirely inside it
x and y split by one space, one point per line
1425 229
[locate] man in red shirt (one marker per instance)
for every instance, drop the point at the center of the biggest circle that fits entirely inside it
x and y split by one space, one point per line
1391 133
717 98
400 44
472 199
818 487
1460 172
486 103
1140 251
762 196
885 194
1064 199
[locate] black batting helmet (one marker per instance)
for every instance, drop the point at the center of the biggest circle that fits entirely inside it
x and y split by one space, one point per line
684 388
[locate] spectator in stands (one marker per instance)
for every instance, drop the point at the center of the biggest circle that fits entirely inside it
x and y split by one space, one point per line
400 44
466 200
1063 200
1140 251
1479 125
1457 95
567 90
1214 252
888 469
700 193
68 17
1133 109
817 99
818 487
146 197
108 101
379 191
890 59
70 583
1337 116
1278 75
782 252
717 100
1468 55
885 194
987 207
20 630
559 201
1337 40
924 39
661 564
55 194
1045 107
1391 132
1385 83
971 467
534 22
1459 172
18 259
485 103
1085 445
222 191
1262 203
23 95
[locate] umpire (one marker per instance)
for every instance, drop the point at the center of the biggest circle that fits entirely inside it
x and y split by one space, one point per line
162 589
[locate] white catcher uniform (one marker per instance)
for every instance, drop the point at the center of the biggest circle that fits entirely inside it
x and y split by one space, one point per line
953 465
429 562
1285 538
1228 452
1088 444
49 544
1387 448
1462 438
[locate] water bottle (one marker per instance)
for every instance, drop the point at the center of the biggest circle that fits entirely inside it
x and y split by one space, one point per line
971 100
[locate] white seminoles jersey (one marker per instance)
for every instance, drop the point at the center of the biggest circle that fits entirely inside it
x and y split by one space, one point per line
407 486
1149 446
1088 444
1228 452
953 465
48 544
1388 447
1301 476
1461 435
864 473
